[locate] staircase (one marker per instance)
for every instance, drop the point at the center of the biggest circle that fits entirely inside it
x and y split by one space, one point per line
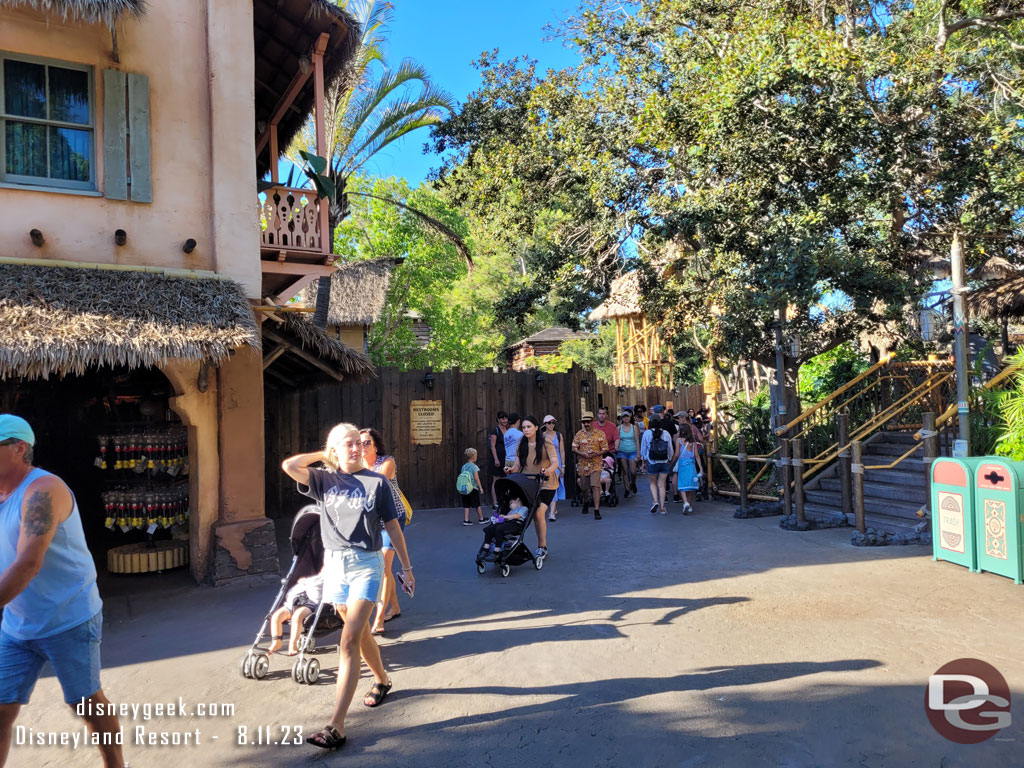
892 497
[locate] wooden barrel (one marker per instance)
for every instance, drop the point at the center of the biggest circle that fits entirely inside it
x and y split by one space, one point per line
142 558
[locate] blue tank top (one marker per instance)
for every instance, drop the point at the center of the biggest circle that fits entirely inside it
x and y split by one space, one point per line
63 594
627 439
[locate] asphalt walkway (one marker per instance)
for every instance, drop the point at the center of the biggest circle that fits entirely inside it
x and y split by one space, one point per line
645 641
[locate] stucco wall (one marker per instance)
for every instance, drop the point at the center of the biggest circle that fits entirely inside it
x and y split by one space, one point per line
198 55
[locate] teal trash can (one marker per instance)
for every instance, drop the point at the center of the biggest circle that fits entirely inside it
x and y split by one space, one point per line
998 506
952 505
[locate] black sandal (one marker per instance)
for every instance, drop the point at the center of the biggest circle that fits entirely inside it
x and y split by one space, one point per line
326 738
377 694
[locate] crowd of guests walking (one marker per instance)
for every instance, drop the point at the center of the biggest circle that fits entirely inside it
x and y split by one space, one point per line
667 446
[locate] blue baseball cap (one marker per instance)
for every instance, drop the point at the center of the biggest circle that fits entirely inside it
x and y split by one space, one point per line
658 409
15 427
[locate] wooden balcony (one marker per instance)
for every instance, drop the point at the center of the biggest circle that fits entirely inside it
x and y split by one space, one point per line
291 225
293 248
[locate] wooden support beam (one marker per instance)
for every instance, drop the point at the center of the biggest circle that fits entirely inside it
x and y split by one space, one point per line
301 353
320 123
292 290
294 268
286 100
275 153
269 359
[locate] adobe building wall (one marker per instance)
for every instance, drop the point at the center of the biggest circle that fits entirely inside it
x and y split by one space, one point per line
198 57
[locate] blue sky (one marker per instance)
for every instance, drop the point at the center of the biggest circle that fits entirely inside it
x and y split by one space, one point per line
446 37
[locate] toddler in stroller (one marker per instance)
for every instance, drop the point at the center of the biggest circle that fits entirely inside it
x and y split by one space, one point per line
504 538
300 602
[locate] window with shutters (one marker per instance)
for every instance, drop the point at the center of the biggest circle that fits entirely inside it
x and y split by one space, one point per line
47 123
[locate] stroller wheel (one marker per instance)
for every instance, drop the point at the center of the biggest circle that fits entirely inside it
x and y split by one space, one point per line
480 567
307 643
245 665
505 570
312 671
260 666
299 670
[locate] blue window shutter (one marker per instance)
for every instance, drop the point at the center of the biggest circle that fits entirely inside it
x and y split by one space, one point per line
115 128
138 132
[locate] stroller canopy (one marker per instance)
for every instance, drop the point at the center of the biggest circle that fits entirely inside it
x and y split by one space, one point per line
307 545
522 486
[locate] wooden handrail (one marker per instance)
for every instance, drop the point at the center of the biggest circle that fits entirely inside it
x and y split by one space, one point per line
950 412
851 383
904 403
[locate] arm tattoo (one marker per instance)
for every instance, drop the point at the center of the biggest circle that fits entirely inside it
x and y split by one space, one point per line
39 516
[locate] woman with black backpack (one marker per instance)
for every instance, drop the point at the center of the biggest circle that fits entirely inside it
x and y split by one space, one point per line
657 449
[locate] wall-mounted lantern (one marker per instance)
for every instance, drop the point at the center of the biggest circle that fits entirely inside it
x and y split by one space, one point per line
428 380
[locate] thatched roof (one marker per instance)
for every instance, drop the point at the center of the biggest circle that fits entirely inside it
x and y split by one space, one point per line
623 299
995 268
284 34
61 321
298 355
358 292
106 11
1004 298
555 334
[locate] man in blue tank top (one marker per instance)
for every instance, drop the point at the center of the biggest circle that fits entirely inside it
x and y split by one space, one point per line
52 609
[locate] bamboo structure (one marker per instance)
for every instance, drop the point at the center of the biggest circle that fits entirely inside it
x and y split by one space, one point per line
641 358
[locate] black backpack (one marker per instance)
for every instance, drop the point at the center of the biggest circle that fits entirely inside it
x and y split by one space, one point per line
659 447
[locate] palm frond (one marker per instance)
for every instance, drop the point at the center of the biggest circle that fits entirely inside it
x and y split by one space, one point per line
438 226
390 81
360 157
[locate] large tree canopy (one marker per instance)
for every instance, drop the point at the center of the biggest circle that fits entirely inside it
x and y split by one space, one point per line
807 155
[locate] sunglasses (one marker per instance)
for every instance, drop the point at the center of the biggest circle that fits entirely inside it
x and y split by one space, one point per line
586 421
367 443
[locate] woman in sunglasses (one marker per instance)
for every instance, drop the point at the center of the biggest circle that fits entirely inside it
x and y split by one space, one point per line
377 460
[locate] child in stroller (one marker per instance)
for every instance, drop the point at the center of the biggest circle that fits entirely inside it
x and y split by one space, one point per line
299 602
504 538
502 528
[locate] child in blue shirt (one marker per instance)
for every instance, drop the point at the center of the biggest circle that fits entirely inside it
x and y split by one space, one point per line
472 499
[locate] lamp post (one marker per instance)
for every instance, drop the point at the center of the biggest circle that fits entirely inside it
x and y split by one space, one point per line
780 370
961 352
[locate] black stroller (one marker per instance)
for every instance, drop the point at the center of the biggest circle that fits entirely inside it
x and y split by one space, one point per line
513 549
307 560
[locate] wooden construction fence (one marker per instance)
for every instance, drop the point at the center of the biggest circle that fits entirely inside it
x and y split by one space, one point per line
298 421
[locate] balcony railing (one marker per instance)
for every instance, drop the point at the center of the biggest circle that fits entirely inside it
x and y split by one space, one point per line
290 220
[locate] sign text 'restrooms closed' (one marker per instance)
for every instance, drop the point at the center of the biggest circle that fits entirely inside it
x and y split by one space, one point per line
425 422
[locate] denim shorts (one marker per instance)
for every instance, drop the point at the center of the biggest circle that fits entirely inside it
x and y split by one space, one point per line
626 455
352 574
74 655
657 467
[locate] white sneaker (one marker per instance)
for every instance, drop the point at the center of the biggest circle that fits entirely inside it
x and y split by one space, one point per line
551 518
687 509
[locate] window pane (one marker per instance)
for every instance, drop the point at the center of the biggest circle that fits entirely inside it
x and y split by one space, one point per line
24 88
26 149
69 95
69 154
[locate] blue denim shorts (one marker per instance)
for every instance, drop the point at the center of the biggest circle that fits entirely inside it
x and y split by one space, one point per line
74 655
626 454
657 467
352 574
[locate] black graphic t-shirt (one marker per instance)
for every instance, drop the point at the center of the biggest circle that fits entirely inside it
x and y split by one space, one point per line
355 507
